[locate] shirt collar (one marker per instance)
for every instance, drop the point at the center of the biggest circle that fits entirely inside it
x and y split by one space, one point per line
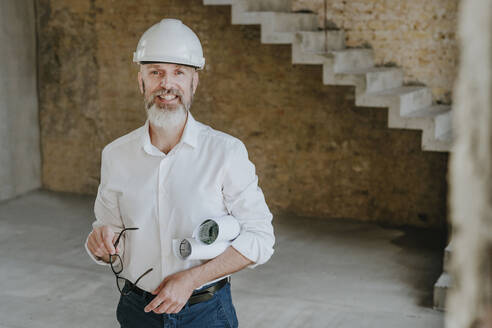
190 133
189 136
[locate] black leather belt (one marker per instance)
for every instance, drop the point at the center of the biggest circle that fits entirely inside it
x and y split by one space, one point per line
198 296
207 293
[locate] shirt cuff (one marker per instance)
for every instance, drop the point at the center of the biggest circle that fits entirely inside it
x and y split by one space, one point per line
100 262
249 247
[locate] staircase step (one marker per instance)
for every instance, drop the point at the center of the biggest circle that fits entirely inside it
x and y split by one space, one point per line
422 119
447 257
218 2
366 80
429 112
376 78
440 289
382 78
400 103
352 59
281 28
442 120
276 27
340 61
444 281
444 126
241 16
309 46
426 119
314 41
407 99
268 5
429 143
284 20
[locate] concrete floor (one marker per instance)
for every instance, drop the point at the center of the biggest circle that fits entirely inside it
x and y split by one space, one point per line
336 274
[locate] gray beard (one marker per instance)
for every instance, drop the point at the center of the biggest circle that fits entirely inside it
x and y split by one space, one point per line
167 119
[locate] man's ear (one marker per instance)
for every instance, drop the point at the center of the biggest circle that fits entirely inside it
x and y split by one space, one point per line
140 82
195 80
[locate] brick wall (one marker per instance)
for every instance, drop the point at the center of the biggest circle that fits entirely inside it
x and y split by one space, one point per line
316 154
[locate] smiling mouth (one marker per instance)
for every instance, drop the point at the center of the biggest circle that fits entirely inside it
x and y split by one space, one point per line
167 98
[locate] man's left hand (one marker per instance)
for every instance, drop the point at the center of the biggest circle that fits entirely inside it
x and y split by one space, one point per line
172 294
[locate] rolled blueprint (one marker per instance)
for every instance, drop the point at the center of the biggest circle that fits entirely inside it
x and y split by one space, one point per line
221 229
192 249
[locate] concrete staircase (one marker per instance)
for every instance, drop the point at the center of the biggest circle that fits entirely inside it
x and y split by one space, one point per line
444 282
410 107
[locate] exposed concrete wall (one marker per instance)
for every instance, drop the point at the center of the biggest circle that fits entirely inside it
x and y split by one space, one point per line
470 300
417 35
316 153
20 162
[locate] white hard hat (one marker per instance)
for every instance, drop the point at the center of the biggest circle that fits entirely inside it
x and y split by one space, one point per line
170 41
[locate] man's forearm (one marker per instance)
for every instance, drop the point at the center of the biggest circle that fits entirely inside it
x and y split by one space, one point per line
176 289
226 263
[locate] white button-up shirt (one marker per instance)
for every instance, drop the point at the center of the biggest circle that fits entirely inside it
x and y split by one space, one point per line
206 175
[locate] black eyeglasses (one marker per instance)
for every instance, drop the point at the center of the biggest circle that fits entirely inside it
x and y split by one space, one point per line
117 266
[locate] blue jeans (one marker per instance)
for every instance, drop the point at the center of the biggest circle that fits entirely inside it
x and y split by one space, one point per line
216 312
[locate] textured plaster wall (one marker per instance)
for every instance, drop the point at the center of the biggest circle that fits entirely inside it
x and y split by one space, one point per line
20 163
417 35
316 153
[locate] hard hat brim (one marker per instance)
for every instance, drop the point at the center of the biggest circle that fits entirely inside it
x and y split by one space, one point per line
162 62
198 64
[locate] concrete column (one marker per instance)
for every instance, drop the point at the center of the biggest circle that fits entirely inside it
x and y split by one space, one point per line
470 299
19 124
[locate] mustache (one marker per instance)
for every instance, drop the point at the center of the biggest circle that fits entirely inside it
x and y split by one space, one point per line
171 91
150 100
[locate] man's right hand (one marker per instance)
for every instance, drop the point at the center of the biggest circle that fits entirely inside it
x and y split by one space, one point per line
100 243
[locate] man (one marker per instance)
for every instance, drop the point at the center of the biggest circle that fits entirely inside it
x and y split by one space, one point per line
161 180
